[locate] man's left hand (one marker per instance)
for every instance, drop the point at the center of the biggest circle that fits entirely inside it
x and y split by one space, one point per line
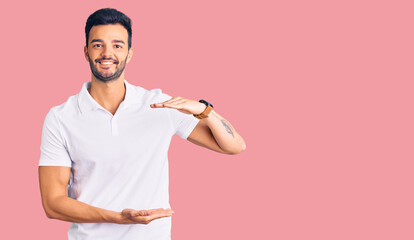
182 104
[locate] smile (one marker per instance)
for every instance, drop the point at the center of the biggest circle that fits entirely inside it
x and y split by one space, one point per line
106 61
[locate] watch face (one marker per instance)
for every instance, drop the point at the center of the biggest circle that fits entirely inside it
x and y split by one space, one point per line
206 103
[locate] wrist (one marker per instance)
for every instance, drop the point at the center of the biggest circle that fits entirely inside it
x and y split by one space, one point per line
203 107
114 217
208 107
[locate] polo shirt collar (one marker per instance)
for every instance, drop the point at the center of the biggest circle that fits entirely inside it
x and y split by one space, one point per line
87 103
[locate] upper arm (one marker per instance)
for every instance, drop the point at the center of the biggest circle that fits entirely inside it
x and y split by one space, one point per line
53 181
202 136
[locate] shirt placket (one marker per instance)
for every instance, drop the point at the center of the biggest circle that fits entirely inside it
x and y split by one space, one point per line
114 124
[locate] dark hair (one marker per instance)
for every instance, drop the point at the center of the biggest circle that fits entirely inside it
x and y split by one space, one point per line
106 16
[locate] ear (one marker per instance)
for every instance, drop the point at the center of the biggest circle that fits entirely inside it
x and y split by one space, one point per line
130 53
85 52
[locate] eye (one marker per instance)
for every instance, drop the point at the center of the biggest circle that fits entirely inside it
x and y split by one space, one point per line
97 45
118 46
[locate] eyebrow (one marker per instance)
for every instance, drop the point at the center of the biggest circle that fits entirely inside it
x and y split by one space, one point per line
114 41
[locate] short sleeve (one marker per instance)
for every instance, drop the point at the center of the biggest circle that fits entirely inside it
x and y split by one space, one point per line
52 148
183 123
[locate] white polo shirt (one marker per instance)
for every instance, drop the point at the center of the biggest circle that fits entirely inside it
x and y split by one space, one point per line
117 161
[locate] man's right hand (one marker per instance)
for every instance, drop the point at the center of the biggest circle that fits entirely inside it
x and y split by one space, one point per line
132 216
53 187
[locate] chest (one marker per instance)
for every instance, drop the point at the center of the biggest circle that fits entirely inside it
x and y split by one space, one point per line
110 142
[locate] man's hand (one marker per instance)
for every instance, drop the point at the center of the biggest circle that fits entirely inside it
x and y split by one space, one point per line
183 105
132 216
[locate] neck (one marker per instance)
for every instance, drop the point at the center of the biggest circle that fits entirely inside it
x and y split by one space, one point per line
108 94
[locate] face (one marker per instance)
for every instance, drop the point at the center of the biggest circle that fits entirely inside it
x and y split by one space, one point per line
107 51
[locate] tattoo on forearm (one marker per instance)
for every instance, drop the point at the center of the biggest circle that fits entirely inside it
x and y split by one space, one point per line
226 125
228 128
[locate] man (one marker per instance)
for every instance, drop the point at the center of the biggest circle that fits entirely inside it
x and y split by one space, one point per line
103 163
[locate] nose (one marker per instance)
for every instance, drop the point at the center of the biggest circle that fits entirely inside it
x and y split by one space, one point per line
106 52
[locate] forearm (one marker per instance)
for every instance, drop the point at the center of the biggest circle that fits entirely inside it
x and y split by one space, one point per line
71 210
53 189
224 133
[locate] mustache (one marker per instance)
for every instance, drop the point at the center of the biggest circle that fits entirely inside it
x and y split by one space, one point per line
102 59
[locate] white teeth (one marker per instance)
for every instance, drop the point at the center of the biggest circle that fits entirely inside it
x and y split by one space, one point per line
106 62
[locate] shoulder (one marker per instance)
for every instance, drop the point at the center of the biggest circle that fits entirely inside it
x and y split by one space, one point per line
70 106
158 94
155 94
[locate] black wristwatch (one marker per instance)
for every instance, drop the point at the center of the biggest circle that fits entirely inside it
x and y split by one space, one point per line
205 113
206 103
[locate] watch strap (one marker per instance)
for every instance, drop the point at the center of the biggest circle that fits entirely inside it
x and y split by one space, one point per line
204 114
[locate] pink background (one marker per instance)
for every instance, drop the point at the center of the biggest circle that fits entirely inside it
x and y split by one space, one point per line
321 91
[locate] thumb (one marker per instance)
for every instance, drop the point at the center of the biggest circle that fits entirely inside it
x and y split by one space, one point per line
127 212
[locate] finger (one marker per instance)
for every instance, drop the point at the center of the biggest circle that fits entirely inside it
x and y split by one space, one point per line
171 100
176 105
164 211
141 219
163 105
160 211
152 211
138 213
157 213
156 105
174 99
180 101
160 105
180 104
155 210
162 214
